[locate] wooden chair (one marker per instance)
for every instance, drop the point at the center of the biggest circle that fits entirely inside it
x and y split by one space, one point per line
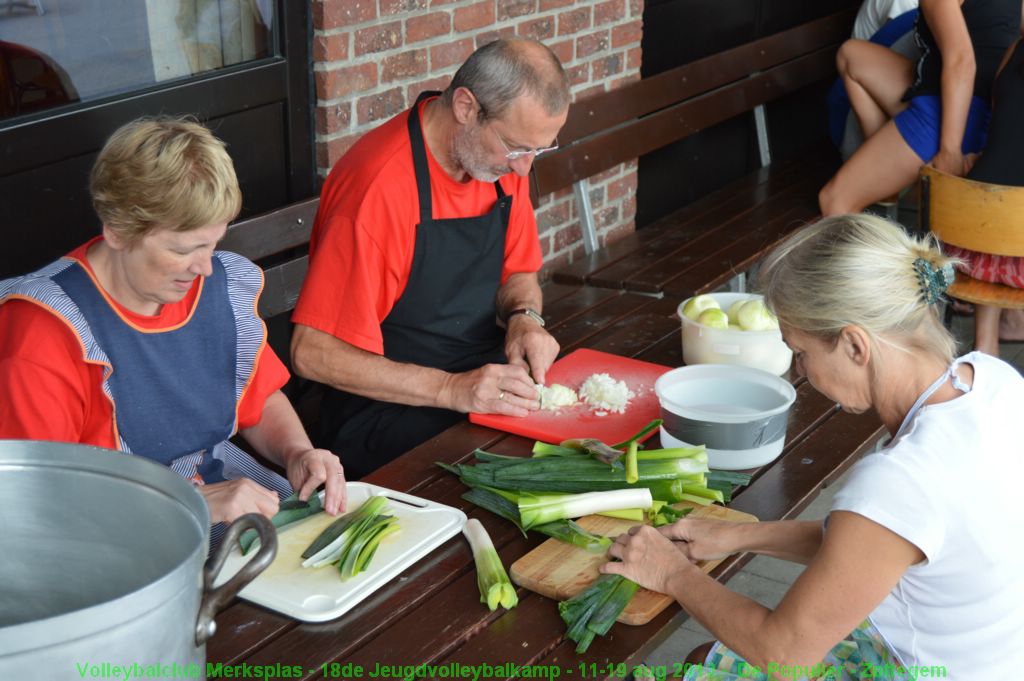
988 218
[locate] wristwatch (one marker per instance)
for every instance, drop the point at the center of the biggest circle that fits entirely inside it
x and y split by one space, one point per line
529 312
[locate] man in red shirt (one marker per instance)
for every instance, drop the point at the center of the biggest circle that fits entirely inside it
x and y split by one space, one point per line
424 247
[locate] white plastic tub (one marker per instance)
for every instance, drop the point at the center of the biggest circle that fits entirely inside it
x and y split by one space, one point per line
759 349
739 413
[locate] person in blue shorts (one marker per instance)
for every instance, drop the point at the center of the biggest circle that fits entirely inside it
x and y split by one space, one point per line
933 112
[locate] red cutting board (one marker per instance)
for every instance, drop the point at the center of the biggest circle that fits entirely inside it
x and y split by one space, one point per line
581 421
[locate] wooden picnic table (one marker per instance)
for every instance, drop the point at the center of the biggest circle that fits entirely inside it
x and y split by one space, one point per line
431 613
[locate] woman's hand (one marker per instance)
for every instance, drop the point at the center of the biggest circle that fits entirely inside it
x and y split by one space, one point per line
703 538
648 557
233 498
310 468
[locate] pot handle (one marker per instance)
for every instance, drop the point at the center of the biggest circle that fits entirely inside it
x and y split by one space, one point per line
214 599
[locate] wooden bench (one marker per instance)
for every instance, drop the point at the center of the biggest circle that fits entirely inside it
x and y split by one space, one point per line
279 242
706 243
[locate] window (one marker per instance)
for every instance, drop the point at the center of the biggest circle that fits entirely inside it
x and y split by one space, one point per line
86 67
55 52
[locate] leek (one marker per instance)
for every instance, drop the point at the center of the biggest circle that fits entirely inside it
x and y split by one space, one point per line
292 510
552 474
632 474
592 612
496 504
640 435
491 578
499 503
537 509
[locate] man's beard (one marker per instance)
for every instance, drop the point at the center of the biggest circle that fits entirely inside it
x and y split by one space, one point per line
469 153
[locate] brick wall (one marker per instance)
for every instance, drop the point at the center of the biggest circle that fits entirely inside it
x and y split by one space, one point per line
373 57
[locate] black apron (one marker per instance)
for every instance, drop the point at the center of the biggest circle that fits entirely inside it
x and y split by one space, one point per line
445 319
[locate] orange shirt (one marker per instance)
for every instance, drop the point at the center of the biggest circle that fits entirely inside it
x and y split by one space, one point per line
48 392
362 244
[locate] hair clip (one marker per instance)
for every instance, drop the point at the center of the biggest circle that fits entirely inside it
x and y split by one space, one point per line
933 280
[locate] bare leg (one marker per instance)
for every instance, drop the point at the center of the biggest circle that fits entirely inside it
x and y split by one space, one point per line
875 78
986 329
884 165
1011 325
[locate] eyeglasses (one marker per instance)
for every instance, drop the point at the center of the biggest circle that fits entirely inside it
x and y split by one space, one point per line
522 153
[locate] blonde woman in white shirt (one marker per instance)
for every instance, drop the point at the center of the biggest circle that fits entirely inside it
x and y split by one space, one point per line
919 562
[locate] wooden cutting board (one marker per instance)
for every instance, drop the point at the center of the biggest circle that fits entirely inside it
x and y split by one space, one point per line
581 420
560 571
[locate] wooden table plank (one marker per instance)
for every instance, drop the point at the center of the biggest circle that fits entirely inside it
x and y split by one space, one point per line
581 301
578 330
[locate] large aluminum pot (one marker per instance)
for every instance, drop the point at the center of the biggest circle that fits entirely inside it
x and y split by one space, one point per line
101 565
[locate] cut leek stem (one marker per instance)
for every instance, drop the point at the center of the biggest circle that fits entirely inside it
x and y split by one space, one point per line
542 449
701 501
570 532
668 515
332 540
702 491
673 453
491 578
592 612
632 474
291 511
538 509
637 514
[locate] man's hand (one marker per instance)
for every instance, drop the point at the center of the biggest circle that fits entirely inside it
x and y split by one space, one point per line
233 498
311 468
528 345
491 389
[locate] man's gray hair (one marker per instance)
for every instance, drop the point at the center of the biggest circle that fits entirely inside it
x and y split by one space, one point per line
505 69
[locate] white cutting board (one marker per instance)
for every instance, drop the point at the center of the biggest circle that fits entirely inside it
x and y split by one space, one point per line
318 594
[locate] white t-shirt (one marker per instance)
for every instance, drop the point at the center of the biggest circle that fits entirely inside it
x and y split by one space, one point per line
873 14
951 485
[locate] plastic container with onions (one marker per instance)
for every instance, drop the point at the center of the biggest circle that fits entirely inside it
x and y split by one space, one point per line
703 344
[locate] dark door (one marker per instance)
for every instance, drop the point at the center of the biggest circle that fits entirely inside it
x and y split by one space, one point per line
71 72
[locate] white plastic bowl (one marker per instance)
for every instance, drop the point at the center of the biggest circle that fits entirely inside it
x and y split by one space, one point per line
739 413
759 349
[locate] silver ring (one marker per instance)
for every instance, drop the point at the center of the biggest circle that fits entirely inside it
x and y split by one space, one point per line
501 395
